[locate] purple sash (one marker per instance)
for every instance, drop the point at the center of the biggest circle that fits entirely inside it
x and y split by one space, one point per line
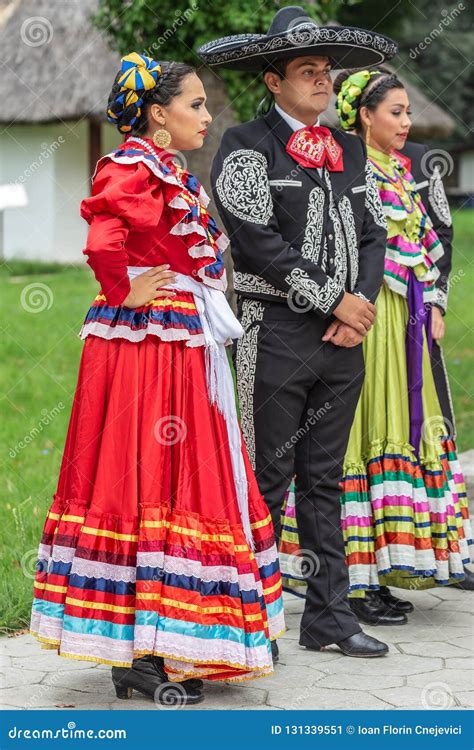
419 317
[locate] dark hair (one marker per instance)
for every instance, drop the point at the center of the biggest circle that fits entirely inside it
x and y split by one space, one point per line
279 67
133 118
373 94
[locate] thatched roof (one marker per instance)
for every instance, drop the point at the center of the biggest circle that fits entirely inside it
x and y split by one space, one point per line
429 120
54 64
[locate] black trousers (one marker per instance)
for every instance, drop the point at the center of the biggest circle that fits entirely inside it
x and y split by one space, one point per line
297 400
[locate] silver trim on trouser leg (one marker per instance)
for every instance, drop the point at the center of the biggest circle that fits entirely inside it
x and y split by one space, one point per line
246 364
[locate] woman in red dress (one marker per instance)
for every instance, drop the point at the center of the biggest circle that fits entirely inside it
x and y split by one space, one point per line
157 555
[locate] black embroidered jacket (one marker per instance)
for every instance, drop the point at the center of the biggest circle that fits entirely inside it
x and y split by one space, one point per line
430 186
294 229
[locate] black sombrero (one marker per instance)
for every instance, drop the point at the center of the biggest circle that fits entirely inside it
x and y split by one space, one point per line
293 33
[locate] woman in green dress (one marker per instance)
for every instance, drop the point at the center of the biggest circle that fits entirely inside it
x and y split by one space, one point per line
404 507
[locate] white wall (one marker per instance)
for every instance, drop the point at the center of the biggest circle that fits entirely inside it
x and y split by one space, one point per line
466 172
71 185
28 232
52 163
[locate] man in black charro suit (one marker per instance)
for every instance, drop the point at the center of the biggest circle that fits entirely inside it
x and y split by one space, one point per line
308 237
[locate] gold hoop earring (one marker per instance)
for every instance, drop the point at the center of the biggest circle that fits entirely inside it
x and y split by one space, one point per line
161 138
367 136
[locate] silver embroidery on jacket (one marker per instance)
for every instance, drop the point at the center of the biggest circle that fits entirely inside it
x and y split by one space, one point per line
314 225
372 197
437 198
243 188
347 217
324 296
249 282
441 298
321 297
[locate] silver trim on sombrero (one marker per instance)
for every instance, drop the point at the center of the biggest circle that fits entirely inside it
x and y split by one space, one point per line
220 50
235 39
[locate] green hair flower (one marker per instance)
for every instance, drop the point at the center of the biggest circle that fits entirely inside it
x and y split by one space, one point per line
348 98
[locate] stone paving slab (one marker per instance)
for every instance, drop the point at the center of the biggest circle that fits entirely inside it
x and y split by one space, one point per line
429 667
433 649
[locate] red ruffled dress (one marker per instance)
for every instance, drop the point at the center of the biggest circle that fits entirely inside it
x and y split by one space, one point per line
143 549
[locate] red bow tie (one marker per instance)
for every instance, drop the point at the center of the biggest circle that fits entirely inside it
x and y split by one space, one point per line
314 146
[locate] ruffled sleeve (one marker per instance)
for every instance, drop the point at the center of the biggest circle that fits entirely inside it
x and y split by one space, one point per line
124 197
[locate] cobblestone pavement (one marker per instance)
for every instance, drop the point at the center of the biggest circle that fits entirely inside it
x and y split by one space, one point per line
429 666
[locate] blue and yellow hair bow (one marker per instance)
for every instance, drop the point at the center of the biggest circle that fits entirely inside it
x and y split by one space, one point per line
138 74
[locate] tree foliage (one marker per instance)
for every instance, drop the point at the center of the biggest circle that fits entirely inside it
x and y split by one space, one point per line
167 29
436 47
174 30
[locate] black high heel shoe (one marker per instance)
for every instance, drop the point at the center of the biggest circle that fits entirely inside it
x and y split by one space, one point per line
392 602
275 652
151 662
148 678
371 610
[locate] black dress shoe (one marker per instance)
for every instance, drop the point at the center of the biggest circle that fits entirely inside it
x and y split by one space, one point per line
360 644
148 678
372 611
467 582
275 652
391 601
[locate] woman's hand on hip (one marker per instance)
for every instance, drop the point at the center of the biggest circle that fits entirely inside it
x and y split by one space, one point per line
146 286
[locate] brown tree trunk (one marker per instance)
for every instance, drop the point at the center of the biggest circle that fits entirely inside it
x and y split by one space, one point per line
95 144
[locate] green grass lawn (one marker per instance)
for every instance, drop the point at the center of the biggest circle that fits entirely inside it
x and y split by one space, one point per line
458 344
40 352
